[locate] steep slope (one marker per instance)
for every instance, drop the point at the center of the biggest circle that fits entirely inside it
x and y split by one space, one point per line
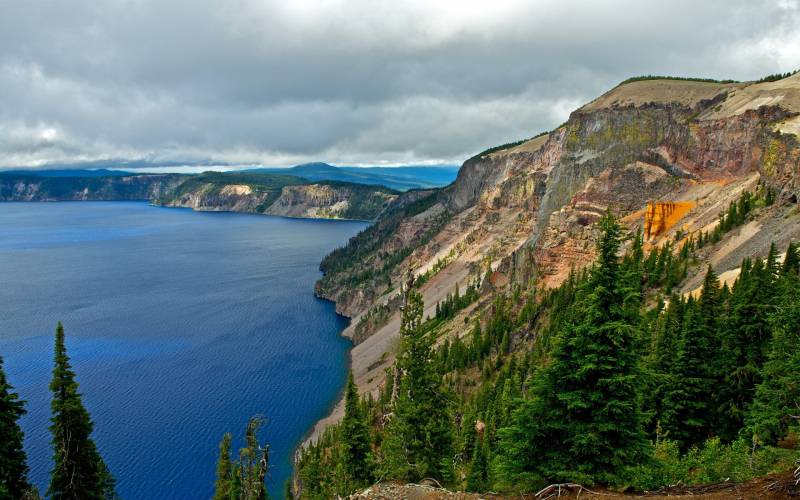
526 212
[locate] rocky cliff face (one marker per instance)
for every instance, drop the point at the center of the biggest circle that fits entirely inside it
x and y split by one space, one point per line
527 212
331 201
228 198
262 193
138 187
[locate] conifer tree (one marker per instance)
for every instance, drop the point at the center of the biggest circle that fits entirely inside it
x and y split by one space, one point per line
13 468
689 407
777 399
223 486
745 342
355 437
584 421
478 478
78 471
253 465
418 439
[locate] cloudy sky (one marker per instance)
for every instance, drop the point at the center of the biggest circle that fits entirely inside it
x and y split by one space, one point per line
348 82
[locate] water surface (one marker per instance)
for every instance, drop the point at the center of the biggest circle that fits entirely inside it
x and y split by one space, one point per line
180 326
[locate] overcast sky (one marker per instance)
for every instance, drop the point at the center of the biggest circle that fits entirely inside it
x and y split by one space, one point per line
347 82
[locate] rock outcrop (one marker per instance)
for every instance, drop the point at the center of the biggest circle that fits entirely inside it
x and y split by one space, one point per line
124 188
270 194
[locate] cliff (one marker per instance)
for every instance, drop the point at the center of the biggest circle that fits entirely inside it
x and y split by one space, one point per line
20 187
525 212
272 194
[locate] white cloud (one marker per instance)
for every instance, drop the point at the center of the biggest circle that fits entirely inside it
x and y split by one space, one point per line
358 81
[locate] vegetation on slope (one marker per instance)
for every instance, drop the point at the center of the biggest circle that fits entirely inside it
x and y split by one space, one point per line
364 201
609 378
676 78
136 187
507 145
340 265
212 183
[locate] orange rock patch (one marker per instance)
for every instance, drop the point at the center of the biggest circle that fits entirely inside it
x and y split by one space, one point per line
660 216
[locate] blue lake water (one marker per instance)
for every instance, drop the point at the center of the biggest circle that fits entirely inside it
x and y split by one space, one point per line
180 326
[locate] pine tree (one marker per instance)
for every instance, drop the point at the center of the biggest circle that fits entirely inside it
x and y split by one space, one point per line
356 437
478 478
689 406
745 342
223 486
78 471
252 467
777 398
584 421
418 439
13 468
791 263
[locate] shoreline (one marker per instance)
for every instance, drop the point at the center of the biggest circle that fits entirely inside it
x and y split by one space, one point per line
335 402
211 210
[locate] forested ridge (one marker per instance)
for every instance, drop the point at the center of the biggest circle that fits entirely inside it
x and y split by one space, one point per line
612 378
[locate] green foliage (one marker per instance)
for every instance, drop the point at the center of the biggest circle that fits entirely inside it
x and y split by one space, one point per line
243 479
776 76
777 398
356 438
78 470
676 78
13 467
456 302
712 462
565 383
688 413
223 486
418 439
507 145
478 478
362 262
583 421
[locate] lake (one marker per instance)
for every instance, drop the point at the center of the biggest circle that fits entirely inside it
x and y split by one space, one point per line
180 325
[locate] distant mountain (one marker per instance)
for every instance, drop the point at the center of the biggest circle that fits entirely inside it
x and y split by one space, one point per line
399 178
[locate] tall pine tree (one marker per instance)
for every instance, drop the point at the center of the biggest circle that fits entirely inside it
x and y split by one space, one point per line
78 471
777 398
223 486
13 468
689 407
356 437
584 422
418 441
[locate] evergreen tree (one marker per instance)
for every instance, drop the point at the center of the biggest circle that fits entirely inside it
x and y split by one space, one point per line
745 342
223 486
478 478
791 263
355 437
689 403
584 421
253 465
13 469
418 441
78 472
777 398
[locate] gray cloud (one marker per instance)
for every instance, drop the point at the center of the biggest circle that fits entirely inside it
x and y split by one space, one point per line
259 81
